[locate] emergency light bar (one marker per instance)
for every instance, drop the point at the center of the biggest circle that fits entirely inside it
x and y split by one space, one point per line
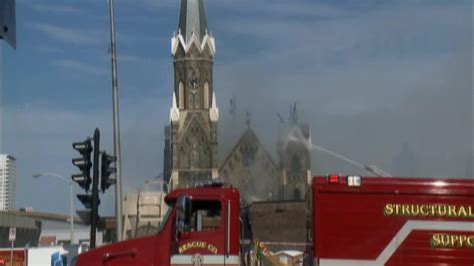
218 182
333 179
352 180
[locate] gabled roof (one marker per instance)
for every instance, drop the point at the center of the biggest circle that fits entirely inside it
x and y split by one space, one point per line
192 19
194 119
248 135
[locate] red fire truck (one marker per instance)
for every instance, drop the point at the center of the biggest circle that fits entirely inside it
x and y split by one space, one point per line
392 221
201 228
355 221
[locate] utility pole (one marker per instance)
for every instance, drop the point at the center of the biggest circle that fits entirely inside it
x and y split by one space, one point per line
118 174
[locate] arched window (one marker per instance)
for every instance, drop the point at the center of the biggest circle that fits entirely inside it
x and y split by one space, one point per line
190 101
248 155
194 160
196 101
181 95
295 167
206 95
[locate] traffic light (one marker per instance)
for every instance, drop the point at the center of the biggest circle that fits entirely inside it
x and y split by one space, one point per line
85 215
106 170
90 201
84 163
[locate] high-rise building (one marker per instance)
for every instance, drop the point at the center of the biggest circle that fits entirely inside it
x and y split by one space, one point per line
7 182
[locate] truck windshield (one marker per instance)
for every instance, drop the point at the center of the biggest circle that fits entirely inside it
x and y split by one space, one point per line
166 217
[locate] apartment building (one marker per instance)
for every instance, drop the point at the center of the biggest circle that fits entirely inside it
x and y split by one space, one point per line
7 182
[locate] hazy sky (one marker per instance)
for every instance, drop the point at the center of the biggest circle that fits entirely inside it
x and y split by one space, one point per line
376 80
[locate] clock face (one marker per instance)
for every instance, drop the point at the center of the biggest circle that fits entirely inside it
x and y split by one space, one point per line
194 83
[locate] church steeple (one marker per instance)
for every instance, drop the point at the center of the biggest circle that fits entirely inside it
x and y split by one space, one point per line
192 28
194 113
192 19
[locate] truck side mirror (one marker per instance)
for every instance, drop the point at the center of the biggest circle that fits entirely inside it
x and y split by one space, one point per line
183 214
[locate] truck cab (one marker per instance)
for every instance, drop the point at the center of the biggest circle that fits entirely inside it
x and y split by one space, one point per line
201 227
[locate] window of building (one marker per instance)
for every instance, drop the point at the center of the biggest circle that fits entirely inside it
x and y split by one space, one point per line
248 156
196 101
181 95
190 101
295 167
206 95
194 160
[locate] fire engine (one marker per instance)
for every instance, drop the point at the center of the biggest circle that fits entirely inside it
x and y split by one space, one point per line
392 221
201 227
354 221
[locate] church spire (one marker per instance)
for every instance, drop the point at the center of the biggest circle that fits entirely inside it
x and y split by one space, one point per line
193 115
192 19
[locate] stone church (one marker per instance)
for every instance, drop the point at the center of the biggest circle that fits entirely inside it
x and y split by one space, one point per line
191 139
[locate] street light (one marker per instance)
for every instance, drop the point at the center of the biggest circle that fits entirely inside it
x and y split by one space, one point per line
71 192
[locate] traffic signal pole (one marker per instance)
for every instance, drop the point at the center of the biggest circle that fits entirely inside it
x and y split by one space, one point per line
95 188
91 200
